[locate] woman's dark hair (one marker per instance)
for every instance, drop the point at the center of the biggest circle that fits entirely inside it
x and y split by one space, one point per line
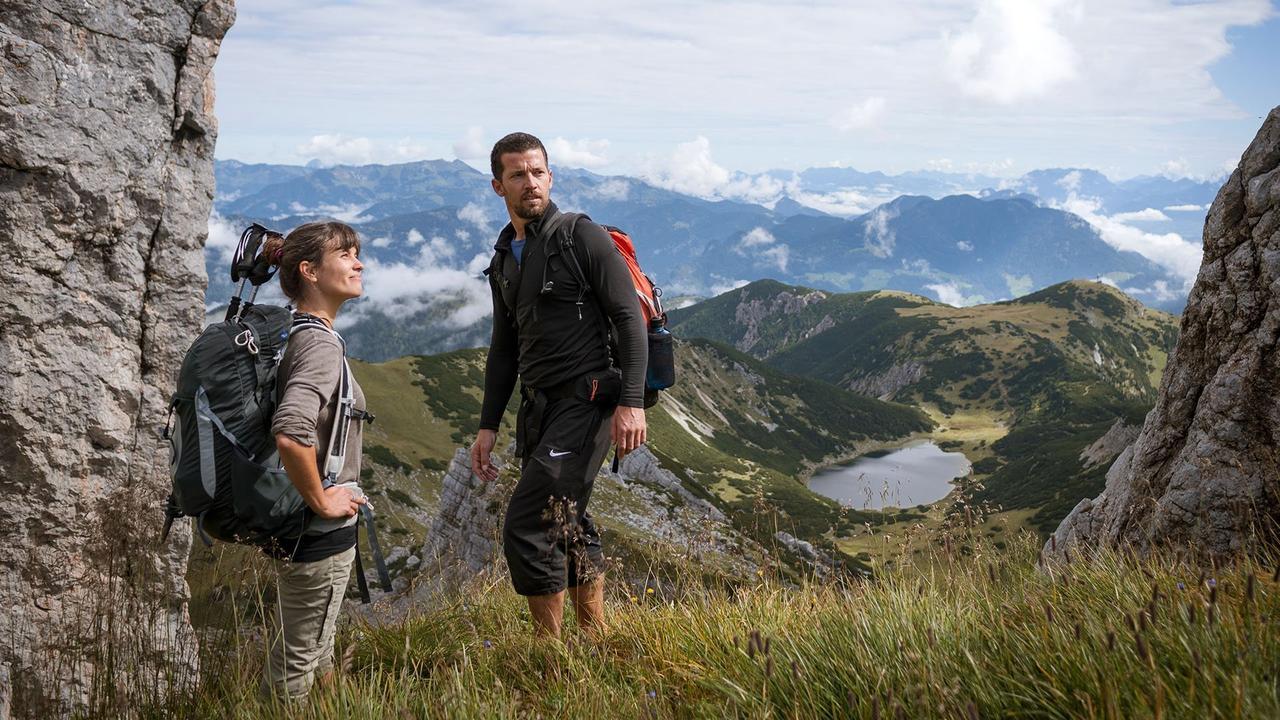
516 142
307 243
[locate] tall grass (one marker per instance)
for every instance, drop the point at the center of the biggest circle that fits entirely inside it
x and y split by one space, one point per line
983 633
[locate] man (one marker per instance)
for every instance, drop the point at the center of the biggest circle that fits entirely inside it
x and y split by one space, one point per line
552 331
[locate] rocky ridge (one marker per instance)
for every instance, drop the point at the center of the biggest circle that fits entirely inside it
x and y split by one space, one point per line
1204 474
106 180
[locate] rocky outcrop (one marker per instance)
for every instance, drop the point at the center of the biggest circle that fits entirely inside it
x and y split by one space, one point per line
106 180
466 535
1110 445
753 313
884 385
1204 474
641 466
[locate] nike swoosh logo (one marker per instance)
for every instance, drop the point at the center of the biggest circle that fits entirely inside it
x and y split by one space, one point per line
556 454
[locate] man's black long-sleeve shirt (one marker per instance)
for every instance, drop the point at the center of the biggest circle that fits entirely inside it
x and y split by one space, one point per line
541 333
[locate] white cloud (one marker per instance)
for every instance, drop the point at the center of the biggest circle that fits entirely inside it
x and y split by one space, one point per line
758 236
1070 182
400 290
1159 291
616 189
328 150
337 149
1185 208
1147 215
475 214
1169 250
721 285
223 237
862 116
1018 285
762 246
1012 50
878 237
841 203
965 245
952 293
414 238
380 242
691 170
473 145
1175 168
579 153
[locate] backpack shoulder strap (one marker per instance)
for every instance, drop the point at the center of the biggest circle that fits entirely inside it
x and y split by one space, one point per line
336 455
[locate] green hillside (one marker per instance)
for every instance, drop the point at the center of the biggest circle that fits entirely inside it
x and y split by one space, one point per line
734 431
1022 387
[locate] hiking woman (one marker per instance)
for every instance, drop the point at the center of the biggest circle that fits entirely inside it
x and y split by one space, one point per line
319 270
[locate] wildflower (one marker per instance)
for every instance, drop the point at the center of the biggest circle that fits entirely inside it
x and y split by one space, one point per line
653 694
648 591
1181 585
1213 583
487 644
635 599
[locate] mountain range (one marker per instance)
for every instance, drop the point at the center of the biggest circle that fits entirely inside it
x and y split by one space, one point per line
959 239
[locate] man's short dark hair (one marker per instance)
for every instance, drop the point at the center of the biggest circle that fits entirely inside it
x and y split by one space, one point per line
516 142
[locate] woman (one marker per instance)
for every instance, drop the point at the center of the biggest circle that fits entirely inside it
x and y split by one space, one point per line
319 270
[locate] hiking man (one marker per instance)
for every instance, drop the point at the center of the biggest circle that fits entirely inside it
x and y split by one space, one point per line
552 332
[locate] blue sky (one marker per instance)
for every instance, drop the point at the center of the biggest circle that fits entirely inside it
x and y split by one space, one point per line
686 92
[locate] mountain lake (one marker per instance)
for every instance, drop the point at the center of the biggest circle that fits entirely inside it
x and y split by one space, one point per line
915 474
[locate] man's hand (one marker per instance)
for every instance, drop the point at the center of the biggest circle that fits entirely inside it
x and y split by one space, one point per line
480 450
629 429
337 503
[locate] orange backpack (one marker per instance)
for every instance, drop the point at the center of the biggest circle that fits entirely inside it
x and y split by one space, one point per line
661 371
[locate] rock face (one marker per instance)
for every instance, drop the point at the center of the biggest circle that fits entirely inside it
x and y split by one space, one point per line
466 534
106 179
1204 474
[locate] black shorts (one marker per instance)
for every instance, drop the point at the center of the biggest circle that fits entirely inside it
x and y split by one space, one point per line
549 539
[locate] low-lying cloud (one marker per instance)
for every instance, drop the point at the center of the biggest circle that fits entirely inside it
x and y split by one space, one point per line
584 153
400 290
878 237
761 246
1168 250
953 293
1148 215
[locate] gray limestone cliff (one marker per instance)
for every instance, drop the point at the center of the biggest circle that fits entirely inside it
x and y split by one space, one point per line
1203 477
106 180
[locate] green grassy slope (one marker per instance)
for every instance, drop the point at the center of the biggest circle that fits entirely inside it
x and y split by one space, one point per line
734 430
984 634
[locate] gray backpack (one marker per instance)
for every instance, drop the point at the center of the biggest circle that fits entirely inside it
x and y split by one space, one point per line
226 472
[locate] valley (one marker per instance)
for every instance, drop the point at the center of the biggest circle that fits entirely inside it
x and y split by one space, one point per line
777 382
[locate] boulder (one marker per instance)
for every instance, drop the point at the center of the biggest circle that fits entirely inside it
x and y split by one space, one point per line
1203 476
106 180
